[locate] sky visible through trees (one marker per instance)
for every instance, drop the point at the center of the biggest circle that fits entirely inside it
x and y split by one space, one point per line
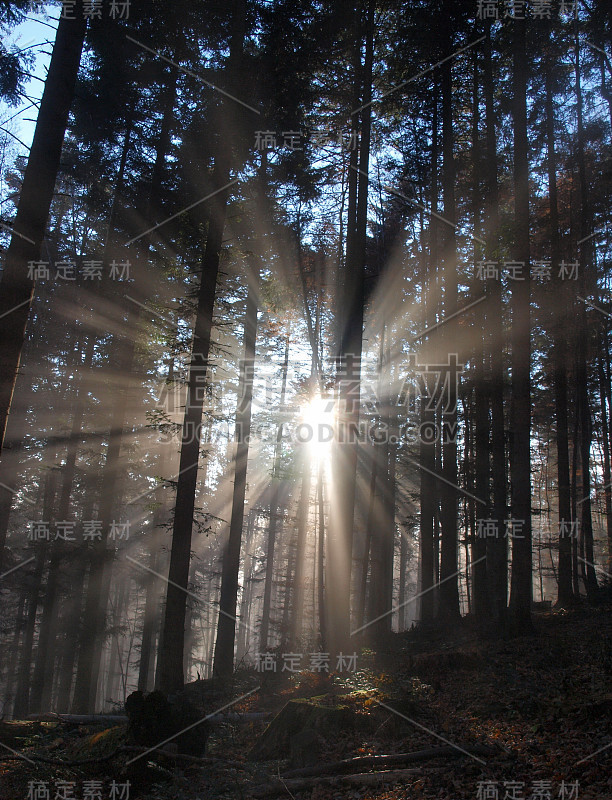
304 334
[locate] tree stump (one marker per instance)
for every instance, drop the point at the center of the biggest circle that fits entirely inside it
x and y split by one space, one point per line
300 724
154 718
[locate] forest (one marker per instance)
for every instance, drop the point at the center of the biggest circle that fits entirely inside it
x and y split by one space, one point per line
305 399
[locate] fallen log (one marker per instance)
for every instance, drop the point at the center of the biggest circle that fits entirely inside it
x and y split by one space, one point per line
180 757
11 732
368 762
282 786
80 719
202 761
58 761
237 718
121 719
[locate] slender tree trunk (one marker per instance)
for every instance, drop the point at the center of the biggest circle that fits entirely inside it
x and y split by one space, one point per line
116 671
22 695
171 655
375 532
382 522
370 523
274 513
389 497
154 584
226 629
300 556
520 462
344 454
403 571
481 395
11 672
497 548
151 610
72 621
449 588
17 427
321 574
606 450
582 377
574 487
427 447
559 323
247 595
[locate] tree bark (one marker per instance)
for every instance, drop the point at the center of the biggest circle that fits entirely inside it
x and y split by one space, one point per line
16 288
344 453
497 548
448 609
582 355
427 447
171 654
482 453
274 512
228 602
520 413
565 594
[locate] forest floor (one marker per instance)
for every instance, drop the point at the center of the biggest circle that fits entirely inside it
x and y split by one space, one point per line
534 710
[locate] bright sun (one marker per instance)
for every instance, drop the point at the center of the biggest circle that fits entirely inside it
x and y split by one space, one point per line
316 426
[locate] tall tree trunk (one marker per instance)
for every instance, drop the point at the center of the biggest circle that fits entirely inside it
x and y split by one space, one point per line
559 322
274 512
247 595
171 654
586 282
427 446
497 548
520 462
382 521
228 603
574 489
374 555
16 288
389 498
481 394
403 572
344 454
449 588
367 547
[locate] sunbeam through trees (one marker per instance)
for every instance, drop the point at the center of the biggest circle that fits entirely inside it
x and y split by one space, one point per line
305 399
